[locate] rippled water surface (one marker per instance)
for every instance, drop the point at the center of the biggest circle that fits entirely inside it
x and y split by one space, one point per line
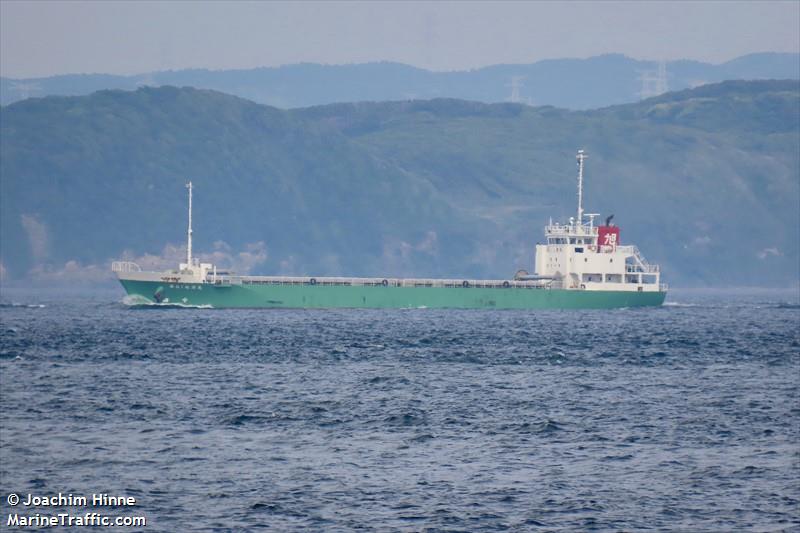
685 417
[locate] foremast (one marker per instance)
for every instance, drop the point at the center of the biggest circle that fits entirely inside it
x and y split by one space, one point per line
193 269
189 233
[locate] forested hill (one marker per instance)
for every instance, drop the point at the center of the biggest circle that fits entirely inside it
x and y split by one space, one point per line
705 182
570 83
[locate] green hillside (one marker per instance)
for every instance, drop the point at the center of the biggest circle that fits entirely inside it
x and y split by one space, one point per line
705 182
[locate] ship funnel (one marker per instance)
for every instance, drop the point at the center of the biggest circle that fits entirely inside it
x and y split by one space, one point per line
608 220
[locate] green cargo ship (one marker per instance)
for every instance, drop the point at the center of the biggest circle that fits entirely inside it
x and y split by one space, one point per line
581 266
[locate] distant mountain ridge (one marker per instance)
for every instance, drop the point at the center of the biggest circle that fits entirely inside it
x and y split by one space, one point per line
568 83
705 181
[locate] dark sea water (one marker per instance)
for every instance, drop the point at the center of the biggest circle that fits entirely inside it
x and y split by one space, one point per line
684 418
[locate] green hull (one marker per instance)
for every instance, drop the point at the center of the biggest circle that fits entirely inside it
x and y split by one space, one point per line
379 297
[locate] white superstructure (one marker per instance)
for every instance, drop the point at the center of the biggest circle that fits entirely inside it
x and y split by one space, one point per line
580 255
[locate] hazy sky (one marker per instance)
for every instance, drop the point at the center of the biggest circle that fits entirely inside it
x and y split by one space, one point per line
41 38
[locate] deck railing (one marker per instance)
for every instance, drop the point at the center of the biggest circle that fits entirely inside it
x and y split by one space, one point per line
644 268
125 266
381 282
642 264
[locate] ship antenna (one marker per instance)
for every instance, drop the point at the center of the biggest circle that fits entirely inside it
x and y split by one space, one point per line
581 157
189 233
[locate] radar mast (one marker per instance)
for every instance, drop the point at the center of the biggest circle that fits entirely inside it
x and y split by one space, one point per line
580 157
